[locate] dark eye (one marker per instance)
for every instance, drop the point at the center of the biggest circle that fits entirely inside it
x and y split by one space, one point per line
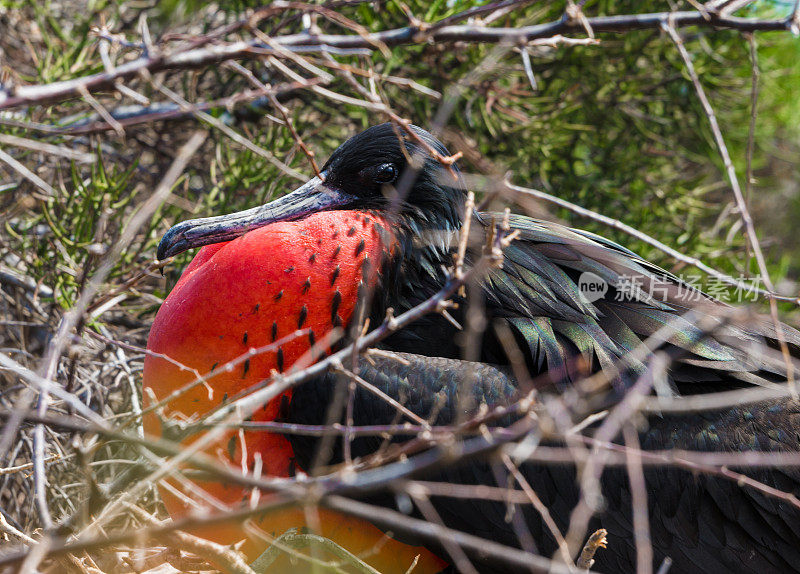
386 173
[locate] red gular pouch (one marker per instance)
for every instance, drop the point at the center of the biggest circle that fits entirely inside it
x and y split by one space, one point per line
278 289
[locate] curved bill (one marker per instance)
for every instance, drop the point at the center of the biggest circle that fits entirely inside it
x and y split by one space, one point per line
309 198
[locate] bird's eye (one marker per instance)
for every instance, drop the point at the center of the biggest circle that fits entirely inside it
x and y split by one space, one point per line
386 173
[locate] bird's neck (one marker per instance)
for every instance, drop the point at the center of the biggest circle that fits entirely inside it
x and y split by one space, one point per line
417 269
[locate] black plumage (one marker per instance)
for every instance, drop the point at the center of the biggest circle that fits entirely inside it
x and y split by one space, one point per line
703 523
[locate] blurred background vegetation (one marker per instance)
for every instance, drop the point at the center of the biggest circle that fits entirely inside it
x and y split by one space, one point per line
615 127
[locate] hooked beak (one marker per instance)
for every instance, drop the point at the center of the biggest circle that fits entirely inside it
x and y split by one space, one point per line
309 198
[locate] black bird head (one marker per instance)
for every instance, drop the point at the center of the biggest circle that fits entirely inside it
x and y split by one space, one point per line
383 169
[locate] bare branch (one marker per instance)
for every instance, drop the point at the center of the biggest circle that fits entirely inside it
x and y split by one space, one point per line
298 43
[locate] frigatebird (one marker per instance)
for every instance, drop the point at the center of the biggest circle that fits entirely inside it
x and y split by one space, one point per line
376 231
